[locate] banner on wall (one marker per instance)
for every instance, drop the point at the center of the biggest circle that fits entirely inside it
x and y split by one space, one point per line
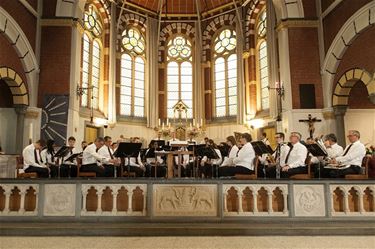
55 118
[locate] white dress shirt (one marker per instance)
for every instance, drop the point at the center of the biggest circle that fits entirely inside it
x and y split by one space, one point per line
245 157
47 157
297 156
213 161
151 160
29 157
73 151
354 155
334 151
185 157
104 152
284 150
90 156
228 160
137 162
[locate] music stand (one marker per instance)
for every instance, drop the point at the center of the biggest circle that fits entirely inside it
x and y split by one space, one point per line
71 158
261 148
317 151
61 153
128 150
161 143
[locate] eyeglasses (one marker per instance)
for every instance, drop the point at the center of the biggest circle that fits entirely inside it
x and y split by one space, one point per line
277 137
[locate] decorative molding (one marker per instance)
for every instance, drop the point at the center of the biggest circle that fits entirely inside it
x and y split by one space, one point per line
184 200
60 200
309 200
32 112
60 22
285 24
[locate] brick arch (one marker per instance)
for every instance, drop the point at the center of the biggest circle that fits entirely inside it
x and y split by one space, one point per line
346 82
16 85
130 19
169 31
353 27
17 38
250 21
211 29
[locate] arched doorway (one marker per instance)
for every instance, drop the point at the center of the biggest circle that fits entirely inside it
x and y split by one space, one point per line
13 104
354 95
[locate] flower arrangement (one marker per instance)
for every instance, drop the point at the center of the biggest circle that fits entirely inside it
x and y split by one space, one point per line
370 150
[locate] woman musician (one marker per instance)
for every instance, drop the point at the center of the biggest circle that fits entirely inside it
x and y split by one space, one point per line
48 157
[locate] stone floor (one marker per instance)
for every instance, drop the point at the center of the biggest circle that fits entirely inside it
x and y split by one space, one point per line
287 242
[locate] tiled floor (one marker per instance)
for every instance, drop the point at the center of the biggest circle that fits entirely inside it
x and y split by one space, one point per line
300 242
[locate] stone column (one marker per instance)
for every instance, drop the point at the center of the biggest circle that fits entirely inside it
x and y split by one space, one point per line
339 112
21 111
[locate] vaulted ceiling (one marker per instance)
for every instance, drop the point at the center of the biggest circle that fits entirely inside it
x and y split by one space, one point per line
181 6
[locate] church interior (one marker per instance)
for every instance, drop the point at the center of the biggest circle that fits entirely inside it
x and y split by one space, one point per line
140 103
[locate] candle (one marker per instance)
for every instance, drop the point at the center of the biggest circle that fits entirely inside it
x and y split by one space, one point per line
190 125
159 122
201 122
167 121
194 121
31 131
163 126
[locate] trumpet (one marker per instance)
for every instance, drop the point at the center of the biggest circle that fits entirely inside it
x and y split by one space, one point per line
270 159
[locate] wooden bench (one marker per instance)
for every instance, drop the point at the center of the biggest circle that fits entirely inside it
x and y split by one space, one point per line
249 176
19 170
364 173
83 174
304 176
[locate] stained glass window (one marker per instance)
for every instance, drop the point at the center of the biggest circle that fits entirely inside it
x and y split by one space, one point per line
91 58
179 74
225 72
132 89
262 24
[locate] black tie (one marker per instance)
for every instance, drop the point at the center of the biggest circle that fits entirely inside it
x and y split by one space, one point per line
287 156
278 151
347 150
110 153
36 157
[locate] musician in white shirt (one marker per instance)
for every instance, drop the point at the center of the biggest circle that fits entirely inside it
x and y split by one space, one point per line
136 164
154 162
209 166
351 159
228 160
279 156
48 158
106 151
296 157
90 158
264 139
32 160
243 161
69 168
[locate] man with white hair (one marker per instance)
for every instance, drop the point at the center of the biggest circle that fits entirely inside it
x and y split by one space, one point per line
351 160
296 157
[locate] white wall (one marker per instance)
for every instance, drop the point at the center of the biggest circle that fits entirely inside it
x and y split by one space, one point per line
362 120
219 132
8 127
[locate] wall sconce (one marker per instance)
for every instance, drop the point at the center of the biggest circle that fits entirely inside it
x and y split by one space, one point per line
279 87
82 90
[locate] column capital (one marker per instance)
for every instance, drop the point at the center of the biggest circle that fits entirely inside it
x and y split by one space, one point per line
339 110
371 97
20 109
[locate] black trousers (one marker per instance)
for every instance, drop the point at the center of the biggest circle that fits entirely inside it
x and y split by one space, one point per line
41 172
54 171
139 172
67 170
209 170
231 171
341 173
293 171
161 170
93 168
109 170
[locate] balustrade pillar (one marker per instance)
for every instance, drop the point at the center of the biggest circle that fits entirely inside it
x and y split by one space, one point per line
346 203
130 200
240 210
84 199
269 195
22 203
255 201
285 196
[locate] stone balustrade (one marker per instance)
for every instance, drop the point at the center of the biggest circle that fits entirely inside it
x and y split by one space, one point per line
44 199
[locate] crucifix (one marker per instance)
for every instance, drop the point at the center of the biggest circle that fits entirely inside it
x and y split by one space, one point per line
310 121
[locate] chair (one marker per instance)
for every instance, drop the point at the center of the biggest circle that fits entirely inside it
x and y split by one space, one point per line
83 174
304 176
125 173
364 170
20 172
249 176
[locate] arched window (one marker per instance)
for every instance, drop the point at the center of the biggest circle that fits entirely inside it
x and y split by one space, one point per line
225 73
179 74
132 89
91 58
263 60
